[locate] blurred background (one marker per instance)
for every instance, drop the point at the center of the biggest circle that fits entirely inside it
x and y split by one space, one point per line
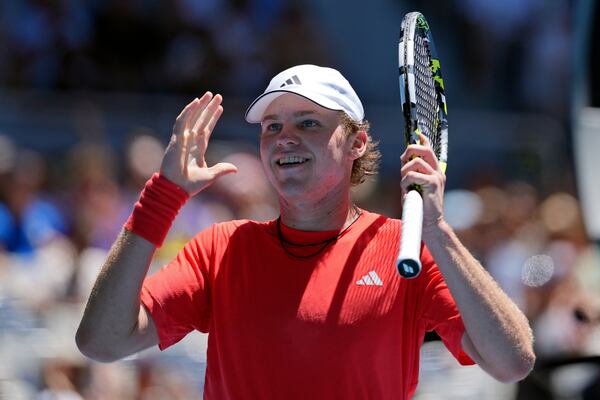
89 91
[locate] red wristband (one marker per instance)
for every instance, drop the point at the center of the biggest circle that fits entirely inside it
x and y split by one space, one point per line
156 209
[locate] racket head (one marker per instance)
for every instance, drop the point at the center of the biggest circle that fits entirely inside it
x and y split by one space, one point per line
422 86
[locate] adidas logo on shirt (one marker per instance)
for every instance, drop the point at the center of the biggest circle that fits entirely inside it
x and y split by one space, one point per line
370 279
294 80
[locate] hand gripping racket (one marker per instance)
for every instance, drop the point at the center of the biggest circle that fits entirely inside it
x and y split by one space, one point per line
425 111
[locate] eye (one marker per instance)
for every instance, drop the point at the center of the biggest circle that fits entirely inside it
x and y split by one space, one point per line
272 127
310 123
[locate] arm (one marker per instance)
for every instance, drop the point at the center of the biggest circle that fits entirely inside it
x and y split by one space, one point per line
114 323
497 334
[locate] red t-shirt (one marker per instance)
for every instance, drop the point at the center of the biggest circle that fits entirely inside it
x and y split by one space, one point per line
340 325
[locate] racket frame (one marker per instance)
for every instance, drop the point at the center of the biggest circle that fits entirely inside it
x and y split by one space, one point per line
408 262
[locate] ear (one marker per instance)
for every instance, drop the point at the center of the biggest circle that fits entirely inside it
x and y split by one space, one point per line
359 144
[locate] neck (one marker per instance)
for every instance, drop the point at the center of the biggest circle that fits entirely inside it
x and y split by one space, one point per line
324 215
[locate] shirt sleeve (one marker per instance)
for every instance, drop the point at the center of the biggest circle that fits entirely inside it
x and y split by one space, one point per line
440 311
177 296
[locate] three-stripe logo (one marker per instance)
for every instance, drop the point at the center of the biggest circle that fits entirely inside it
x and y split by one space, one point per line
370 279
294 80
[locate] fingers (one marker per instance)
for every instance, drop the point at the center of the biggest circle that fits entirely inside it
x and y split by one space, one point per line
178 153
182 118
184 153
202 177
204 132
221 169
200 116
417 165
421 151
205 118
182 121
214 119
421 170
193 127
202 124
427 183
184 162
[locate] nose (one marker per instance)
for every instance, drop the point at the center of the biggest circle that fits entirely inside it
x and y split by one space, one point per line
287 136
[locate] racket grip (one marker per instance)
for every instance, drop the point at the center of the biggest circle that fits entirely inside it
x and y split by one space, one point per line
408 263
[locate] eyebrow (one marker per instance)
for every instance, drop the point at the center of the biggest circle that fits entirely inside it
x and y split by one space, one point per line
296 115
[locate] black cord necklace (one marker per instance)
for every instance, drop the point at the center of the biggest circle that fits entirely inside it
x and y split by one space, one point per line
324 243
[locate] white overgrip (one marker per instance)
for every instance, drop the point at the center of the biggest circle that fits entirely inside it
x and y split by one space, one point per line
409 256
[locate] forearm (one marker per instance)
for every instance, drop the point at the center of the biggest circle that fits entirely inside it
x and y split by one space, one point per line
111 318
496 328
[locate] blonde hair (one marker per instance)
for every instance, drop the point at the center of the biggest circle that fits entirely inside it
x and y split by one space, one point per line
368 164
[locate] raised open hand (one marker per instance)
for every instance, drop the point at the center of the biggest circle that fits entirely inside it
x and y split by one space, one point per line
184 163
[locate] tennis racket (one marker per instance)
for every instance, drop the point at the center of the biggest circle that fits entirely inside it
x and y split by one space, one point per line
424 109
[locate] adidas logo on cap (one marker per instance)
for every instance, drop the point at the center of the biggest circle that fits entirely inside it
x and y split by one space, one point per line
294 80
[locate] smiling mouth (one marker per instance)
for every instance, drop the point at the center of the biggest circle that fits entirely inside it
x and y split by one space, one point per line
291 161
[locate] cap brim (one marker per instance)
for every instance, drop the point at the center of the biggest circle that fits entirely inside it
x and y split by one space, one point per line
256 110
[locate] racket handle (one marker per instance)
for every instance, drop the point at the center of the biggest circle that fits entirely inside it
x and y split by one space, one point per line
409 257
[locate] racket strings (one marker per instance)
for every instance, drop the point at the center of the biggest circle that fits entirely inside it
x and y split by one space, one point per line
427 109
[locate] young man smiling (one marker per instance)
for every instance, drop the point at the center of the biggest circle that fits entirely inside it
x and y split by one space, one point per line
308 306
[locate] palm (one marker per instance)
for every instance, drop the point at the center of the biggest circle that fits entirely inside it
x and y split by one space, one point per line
184 162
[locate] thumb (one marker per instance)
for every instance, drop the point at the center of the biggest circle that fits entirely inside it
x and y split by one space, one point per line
221 169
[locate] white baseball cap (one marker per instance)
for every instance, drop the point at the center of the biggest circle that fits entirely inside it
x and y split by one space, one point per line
323 86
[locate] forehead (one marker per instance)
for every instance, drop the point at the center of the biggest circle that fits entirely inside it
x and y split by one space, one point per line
290 104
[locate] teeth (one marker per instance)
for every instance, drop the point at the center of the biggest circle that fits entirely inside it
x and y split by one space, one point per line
291 160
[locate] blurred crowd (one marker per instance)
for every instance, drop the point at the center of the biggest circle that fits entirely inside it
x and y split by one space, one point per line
512 54
153 45
59 215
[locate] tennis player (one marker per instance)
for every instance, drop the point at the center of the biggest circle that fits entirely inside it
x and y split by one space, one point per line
307 306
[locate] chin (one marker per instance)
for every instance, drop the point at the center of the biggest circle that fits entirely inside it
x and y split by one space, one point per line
291 191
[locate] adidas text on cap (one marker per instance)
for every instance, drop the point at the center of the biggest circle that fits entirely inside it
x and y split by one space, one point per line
323 86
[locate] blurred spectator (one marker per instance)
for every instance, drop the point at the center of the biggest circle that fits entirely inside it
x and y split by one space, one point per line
8 153
247 193
143 155
111 381
59 378
98 208
157 382
28 218
521 238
